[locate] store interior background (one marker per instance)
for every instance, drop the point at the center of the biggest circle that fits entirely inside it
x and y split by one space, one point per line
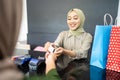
22 40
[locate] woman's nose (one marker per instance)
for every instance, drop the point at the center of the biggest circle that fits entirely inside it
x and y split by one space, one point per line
71 20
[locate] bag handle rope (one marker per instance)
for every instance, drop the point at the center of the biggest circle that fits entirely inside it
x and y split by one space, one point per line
105 19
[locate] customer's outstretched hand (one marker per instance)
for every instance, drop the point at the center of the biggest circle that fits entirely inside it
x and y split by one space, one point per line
50 61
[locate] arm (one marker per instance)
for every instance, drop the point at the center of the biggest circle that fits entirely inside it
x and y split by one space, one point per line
50 61
80 52
51 72
59 41
61 50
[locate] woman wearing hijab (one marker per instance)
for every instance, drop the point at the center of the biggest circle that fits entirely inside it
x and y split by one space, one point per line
10 20
73 43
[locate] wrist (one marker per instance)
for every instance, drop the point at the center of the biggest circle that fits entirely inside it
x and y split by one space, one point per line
69 52
64 51
50 66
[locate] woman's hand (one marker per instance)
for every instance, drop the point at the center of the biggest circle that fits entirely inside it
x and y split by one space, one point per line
48 45
59 51
50 57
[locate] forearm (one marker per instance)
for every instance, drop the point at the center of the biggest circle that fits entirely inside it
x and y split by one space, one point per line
50 61
50 66
81 53
69 52
77 53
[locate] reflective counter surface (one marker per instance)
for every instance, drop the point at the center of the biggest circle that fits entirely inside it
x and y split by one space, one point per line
95 72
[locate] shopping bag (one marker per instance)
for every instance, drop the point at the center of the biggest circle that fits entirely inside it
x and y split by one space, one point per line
113 61
112 75
100 46
97 73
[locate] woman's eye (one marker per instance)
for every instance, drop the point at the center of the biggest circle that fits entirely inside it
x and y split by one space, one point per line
69 19
75 18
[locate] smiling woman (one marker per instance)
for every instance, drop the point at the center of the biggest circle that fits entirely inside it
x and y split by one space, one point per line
46 18
73 43
73 20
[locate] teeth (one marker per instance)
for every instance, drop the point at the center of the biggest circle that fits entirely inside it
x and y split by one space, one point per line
72 25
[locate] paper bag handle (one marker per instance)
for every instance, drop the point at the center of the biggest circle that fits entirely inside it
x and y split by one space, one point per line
105 19
116 20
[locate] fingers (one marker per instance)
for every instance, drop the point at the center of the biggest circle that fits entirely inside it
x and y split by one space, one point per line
50 57
59 50
46 46
47 54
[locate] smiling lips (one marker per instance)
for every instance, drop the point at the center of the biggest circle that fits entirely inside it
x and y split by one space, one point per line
72 25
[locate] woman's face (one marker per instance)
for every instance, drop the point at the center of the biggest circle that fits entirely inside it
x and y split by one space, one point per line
73 20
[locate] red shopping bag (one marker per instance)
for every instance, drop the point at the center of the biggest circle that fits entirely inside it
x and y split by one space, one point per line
112 75
113 58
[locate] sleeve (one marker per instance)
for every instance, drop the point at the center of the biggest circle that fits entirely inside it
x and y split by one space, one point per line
52 75
86 44
59 40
